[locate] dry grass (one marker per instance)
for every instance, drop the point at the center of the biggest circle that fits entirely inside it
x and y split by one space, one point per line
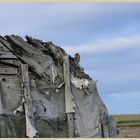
130 119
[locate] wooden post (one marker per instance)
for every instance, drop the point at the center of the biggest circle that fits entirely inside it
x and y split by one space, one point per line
105 130
29 109
1 104
69 101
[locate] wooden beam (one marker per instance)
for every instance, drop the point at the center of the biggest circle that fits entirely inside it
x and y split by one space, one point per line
8 46
8 55
8 71
29 109
1 103
69 101
69 105
34 57
105 130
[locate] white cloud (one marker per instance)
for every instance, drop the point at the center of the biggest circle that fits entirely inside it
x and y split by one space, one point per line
103 45
59 14
124 96
77 23
46 14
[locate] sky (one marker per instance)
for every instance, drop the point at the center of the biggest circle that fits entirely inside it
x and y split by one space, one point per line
107 36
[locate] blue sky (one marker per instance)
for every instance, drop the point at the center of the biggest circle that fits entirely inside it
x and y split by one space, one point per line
107 35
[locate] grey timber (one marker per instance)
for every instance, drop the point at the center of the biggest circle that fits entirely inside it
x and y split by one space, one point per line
44 93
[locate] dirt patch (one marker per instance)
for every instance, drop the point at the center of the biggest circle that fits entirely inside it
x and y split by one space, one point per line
129 131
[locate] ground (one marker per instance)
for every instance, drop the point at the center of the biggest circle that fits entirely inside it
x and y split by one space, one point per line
128 125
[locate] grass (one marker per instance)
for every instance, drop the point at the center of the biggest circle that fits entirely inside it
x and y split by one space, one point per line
129 119
128 123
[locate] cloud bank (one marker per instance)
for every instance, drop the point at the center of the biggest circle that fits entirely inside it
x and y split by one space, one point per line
104 45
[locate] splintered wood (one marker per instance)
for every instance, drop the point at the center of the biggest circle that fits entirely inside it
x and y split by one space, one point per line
1 104
51 90
69 101
29 109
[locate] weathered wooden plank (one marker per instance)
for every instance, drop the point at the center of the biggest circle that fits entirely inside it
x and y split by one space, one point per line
35 42
1 104
9 71
70 119
3 110
69 101
8 55
8 46
15 63
29 109
56 51
68 96
105 130
34 57
104 122
5 53
3 48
